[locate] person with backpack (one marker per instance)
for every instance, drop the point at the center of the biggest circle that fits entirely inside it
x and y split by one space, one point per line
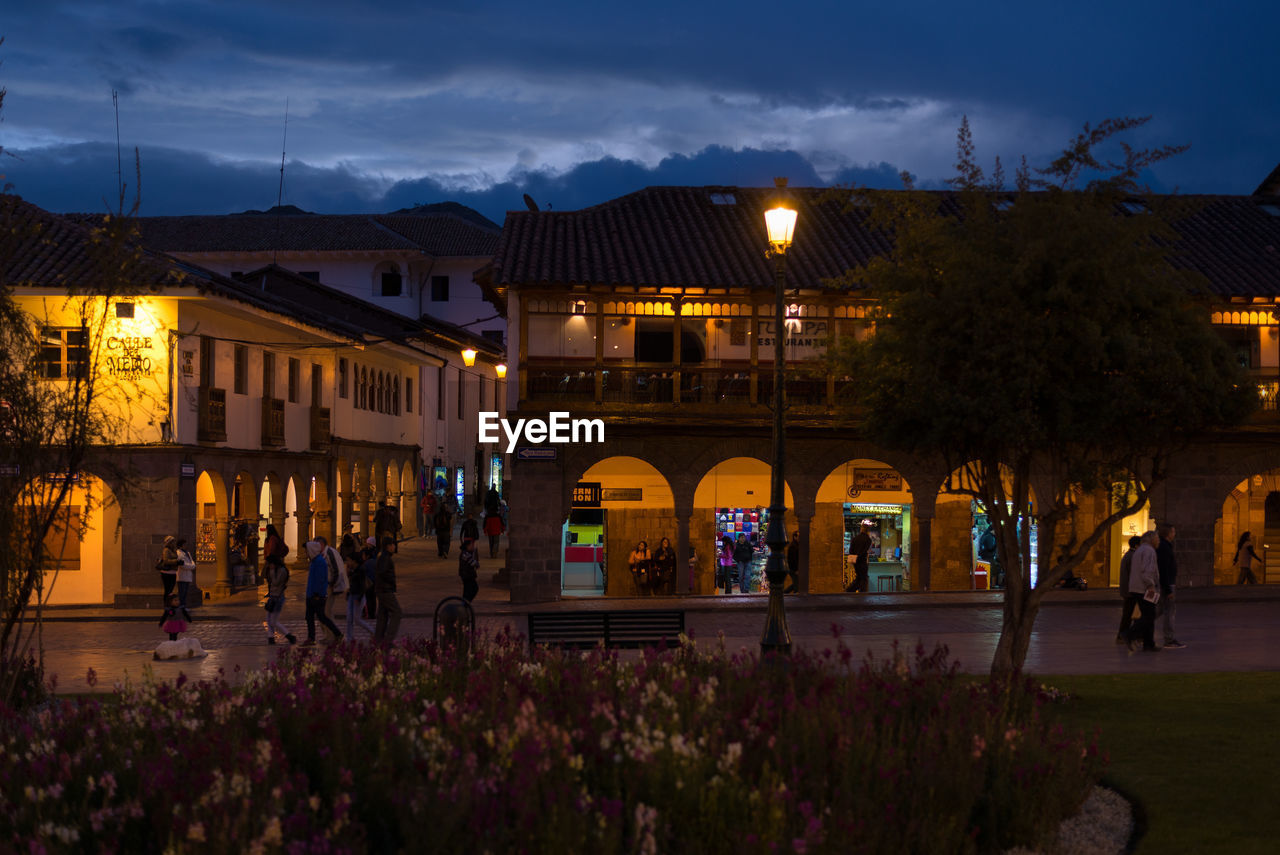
469 569
356 592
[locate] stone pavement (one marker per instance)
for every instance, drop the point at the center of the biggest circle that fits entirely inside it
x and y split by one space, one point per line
1226 629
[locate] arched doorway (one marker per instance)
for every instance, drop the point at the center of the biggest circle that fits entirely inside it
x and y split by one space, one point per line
1122 494
1253 506
618 502
82 545
856 492
732 500
211 506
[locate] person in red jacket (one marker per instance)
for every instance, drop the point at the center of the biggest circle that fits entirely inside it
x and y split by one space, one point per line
493 527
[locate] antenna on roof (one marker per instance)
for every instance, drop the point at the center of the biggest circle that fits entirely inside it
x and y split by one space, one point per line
280 192
115 103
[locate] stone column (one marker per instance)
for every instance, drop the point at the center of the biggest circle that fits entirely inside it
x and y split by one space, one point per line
221 546
684 576
303 515
362 494
802 525
921 555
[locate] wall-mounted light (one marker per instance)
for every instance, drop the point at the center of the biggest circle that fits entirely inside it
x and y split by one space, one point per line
468 357
580 308
501 370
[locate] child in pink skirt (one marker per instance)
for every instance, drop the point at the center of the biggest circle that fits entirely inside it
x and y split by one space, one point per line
175 619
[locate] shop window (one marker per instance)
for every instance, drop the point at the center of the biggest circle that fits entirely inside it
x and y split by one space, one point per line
241 370
439 289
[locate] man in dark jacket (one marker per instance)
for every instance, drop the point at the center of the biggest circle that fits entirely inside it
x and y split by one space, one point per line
859 547
384 584
742 555
1168 565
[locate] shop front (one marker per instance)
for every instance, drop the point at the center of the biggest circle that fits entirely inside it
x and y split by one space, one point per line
751 523
987 572
889 559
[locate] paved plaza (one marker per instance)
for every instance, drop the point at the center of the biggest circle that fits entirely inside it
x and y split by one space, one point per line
1225 629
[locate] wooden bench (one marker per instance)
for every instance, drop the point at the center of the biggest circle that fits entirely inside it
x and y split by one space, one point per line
587 629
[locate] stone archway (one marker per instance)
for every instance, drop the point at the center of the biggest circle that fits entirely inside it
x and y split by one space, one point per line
737 487
635 503
856 490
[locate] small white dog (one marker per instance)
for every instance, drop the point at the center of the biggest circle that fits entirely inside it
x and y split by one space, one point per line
183 648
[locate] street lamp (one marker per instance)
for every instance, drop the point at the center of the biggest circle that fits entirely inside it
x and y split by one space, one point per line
780 223
469 357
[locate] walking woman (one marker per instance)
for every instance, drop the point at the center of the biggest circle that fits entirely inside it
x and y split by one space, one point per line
277 580
1245 556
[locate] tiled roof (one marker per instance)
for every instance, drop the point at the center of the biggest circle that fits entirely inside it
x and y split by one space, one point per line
316 303
40 249
713 237
436 234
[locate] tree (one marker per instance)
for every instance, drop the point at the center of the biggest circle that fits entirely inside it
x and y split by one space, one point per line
1040 341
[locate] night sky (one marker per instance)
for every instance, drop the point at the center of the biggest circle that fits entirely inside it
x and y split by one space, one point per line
478 101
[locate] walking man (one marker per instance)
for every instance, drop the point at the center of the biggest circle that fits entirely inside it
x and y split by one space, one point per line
1168 564
1144 580
317 593
1130 598
384 584
859 548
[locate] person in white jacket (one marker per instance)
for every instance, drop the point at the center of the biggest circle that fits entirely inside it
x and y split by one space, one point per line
1144 580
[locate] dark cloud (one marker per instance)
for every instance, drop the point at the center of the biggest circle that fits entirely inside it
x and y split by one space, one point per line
150 43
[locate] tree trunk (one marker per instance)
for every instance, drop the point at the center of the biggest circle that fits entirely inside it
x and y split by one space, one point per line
1020 610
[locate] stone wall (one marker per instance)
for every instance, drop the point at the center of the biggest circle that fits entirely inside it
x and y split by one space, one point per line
826 549
952 564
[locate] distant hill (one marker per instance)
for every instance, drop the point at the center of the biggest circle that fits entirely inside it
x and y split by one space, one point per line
455 208
276 209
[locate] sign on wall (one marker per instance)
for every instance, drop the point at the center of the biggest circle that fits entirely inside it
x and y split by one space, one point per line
586 494
876 479
129 357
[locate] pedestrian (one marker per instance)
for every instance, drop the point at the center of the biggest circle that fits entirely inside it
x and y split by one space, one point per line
470 529
638 561
339 583
444 530
693 566
493 528
186 572
274 545
386 522
349 545
1168 563
356 591
859 546
492 501
1144 580
664 567
430 505
1130 598
469 569
168 565
176 618
384 584
369 570
742 556
316 593
277 581
1245 556
793 564
724 566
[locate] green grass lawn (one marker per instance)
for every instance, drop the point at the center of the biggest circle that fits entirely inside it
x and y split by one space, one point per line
1201 752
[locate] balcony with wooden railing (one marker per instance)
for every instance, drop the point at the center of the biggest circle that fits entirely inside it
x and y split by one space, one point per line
272 422
212 414
321 429
622 385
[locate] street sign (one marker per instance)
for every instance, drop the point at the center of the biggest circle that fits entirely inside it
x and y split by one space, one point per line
526 452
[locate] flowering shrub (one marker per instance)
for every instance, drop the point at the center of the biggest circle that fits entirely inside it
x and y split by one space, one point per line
421 749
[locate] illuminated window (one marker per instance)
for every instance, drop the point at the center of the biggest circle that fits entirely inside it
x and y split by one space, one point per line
63 352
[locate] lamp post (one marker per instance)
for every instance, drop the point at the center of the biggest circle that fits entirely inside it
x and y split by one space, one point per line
780 223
